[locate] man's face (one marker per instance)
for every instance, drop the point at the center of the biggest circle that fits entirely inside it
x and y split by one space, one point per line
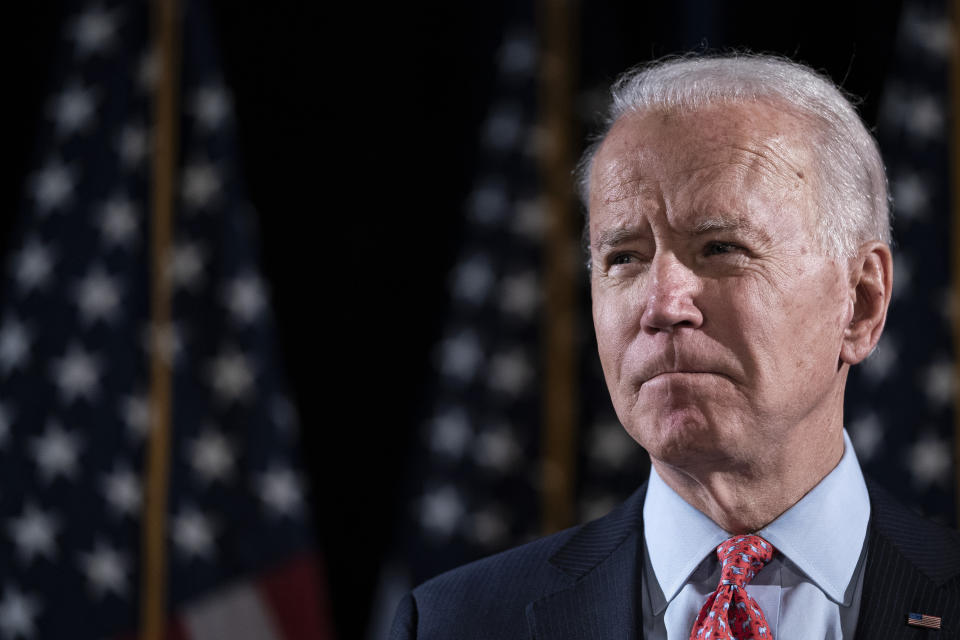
719 318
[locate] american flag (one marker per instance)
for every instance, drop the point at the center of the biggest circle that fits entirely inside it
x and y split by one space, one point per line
74 340
475 488
923 620
900 401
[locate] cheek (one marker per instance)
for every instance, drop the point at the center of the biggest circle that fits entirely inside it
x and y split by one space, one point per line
614 327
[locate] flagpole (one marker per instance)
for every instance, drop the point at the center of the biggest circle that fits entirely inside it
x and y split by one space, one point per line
153 595
555 152
955 242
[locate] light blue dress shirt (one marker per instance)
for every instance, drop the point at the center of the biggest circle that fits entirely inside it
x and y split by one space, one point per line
810 589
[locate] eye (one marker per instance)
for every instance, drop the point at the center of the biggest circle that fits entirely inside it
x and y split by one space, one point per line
621 258
720 248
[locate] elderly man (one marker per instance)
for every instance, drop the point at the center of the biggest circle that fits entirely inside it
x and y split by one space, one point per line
740 265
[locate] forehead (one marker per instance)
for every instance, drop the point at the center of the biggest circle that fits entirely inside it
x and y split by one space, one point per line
723 154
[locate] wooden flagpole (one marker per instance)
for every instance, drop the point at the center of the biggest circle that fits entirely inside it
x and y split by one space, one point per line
166 47
560 408
955 240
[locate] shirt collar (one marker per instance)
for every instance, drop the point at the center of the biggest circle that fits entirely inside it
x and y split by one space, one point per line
822 534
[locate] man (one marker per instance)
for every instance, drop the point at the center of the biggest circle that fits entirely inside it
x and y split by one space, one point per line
740 265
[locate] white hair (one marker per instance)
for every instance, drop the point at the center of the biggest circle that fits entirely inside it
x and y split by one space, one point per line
851 185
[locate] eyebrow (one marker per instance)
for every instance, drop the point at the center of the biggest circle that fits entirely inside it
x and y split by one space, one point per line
619 235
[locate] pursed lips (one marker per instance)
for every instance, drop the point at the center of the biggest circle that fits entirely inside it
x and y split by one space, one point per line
681 373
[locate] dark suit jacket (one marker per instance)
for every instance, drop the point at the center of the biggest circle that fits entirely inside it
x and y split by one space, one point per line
584 583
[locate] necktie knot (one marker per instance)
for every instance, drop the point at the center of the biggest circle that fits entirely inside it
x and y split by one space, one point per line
741 557
730 612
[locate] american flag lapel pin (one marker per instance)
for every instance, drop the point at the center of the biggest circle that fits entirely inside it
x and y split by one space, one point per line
923 620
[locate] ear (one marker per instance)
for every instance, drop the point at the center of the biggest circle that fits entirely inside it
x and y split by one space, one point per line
871 282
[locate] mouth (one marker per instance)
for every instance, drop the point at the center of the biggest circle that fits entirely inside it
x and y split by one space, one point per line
682 374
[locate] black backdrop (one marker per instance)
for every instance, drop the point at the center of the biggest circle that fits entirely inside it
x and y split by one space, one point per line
357 128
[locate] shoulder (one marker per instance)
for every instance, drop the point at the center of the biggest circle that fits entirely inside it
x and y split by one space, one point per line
931 547
484 599
489 598
523 571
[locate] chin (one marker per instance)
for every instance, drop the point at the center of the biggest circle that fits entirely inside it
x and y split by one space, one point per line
678 437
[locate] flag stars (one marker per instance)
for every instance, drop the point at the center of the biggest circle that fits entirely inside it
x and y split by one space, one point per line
133 145
284 415
879 364
529 222
106 570
33 266
98 297
148 70
441 510
488 201
518 54
122 491
18 613
925 117
200 184
867 435
939 381
15 339
460 356
488 527
497 449
280 490
246 298
510 372
503 129
135 412
473 279
231 376
73 110
212 456
450 433
211 106
186 265
34 533
933 35
52 186
94 31
119 221
929 461
520 295
611 446
56 453
77 374
193 534
911 197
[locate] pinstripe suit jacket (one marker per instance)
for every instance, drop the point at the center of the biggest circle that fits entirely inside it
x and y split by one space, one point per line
584 583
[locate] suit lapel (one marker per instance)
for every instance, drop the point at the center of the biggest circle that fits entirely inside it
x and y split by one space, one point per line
603 601
912 566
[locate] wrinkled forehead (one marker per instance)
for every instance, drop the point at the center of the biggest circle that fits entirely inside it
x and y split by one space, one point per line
725 151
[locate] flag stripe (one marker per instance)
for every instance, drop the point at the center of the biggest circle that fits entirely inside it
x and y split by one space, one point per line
296 598
237 613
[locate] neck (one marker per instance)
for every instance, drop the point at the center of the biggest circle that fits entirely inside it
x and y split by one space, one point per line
745 498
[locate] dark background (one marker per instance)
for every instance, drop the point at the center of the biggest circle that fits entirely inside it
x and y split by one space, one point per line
358 134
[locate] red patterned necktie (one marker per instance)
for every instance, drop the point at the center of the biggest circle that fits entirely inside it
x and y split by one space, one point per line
730 613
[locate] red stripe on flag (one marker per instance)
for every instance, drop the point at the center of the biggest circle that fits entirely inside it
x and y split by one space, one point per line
297 596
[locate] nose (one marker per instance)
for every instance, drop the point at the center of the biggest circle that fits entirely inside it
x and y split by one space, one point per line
670 296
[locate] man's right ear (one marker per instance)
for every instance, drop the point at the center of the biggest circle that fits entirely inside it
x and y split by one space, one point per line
871 282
